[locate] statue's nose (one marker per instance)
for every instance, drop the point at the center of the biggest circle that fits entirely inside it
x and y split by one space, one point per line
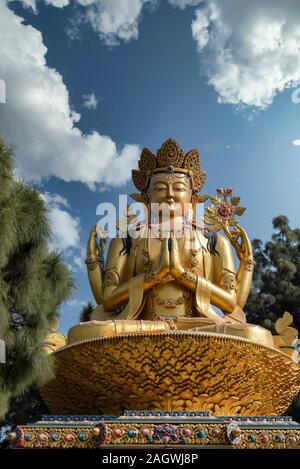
170 193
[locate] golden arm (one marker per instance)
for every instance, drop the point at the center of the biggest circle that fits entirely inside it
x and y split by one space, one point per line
219 297
94 267
116 281
223 295
243 247
231 294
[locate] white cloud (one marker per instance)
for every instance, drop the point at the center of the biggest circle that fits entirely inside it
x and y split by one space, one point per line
90 101
65 231
296 142
184 3
86 3
55 199
38 118
65 227
117 21
200 29
33 3
114 21
27 4
249 51
75 303
232 146
57 3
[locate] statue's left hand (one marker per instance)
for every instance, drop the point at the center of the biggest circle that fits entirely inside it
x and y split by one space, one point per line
239 240
176 269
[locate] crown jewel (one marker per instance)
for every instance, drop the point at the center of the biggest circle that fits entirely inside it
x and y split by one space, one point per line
169 157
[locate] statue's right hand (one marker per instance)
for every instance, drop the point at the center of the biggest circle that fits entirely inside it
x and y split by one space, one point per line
164 263
92 246
93 232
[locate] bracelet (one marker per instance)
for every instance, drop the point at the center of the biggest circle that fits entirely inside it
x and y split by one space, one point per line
248 263
92 263
187 275
152 277
111 278
229 281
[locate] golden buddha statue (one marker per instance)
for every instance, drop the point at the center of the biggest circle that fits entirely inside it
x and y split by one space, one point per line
174 273
169 331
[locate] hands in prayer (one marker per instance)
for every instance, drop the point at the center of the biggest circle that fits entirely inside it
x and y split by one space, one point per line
170 262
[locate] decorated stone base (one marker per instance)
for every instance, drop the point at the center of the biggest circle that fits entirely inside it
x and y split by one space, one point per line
158 429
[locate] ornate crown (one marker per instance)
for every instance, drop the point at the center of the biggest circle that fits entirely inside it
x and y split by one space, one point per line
169 158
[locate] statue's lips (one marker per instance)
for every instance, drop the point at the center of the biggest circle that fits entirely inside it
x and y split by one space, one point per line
171 204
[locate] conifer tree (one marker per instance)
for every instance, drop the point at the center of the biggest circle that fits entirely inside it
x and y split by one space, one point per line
276 283
85 314
276 280
34 282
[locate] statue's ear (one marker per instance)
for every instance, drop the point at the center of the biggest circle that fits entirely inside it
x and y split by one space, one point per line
139 197
199 199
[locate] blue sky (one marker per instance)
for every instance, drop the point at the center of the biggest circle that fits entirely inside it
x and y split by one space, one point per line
157 70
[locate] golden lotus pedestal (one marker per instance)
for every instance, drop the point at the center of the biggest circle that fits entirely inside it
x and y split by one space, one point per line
173 375
184 370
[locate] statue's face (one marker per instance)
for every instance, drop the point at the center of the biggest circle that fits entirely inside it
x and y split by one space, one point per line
172 189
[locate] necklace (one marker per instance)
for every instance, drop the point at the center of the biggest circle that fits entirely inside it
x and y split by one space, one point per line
162 234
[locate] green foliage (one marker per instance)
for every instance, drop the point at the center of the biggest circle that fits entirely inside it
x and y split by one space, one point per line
276 280
27 407
33 284
86 312
276 283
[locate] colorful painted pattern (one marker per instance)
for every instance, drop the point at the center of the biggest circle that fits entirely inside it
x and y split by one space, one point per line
145 428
